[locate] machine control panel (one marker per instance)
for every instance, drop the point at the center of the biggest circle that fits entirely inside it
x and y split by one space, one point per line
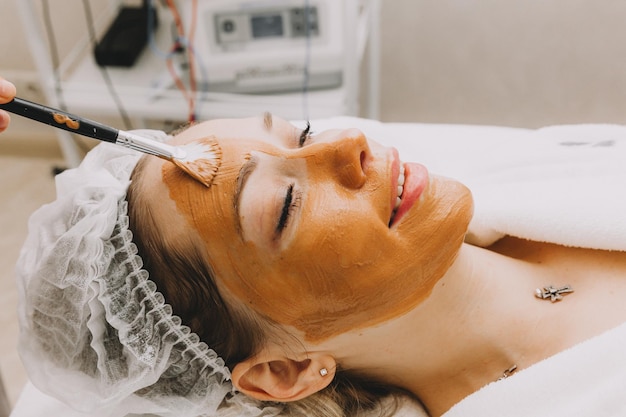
246 26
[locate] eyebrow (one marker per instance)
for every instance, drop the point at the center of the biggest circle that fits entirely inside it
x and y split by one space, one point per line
244 173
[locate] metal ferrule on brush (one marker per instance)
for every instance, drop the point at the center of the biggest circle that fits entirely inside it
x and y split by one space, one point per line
149 146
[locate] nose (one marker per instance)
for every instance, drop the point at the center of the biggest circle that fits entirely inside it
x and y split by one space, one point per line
344 154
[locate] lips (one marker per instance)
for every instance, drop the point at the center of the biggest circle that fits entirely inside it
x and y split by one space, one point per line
415 181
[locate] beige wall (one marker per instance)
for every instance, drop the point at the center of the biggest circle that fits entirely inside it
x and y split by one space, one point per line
69 24
503 62
16 63
13 52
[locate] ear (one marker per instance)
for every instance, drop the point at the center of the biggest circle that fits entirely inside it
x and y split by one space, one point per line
274 377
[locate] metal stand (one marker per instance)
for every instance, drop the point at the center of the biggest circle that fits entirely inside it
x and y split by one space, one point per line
69 148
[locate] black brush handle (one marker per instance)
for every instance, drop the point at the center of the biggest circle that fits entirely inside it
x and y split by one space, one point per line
61 119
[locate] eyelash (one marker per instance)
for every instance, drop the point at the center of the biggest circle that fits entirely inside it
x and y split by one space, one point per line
292 201
305 135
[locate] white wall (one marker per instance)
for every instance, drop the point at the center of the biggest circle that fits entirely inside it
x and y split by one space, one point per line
504 62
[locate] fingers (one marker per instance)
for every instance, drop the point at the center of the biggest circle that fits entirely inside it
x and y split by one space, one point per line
7 92
5 119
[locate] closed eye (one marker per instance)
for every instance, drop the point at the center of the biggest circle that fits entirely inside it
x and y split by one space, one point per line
292 201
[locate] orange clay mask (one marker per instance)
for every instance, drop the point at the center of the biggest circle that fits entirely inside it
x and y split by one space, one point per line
336 266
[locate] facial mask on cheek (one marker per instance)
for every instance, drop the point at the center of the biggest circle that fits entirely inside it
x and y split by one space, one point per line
370 277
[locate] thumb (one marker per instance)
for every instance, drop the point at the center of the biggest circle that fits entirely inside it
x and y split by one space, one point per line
7 91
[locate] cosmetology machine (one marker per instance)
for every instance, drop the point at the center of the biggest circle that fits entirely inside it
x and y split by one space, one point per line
270 46
299 59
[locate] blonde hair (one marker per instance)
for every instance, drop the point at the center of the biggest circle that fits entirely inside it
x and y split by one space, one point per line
235 332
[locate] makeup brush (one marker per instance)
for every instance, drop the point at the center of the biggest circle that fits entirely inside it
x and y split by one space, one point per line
200 159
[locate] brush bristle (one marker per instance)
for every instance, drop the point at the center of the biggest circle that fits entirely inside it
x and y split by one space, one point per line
203 159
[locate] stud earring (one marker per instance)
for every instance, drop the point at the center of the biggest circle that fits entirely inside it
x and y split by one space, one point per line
323 372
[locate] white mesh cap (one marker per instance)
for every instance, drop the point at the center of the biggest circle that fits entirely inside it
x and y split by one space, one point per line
95 332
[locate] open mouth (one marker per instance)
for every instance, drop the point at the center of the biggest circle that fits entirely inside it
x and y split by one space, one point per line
412 181
400 191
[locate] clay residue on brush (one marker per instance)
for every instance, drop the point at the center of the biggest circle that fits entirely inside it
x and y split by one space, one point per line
203 159
64 120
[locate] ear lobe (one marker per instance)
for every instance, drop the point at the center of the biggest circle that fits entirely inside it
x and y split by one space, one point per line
283 379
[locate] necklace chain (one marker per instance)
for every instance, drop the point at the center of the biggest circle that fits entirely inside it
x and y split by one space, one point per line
508 372
551 293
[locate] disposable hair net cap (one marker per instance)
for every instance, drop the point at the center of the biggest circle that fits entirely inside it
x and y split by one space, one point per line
95 332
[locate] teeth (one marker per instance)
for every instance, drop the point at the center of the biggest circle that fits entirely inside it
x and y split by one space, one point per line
400 187
399 195
401 176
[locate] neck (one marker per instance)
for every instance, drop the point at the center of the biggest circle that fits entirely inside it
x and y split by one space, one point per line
487 317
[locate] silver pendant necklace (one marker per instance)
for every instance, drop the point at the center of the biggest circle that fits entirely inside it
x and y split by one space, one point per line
553 293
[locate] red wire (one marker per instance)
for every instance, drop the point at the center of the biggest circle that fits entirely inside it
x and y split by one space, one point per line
191 56
179 83
177 20
190 96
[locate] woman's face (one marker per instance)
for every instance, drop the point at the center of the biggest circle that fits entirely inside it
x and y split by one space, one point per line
305 229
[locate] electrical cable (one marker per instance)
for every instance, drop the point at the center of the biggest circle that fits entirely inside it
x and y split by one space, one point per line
165 55
56 63
186 44
151 38
181 44
178 22
204 85
191 56
180 84
168 56
103 71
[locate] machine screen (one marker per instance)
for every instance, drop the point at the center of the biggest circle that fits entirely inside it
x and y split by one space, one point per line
266 26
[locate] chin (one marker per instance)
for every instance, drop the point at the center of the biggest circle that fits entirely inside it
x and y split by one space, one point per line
450 201
439 222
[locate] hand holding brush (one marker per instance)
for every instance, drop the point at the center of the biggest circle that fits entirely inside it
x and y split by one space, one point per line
200 159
